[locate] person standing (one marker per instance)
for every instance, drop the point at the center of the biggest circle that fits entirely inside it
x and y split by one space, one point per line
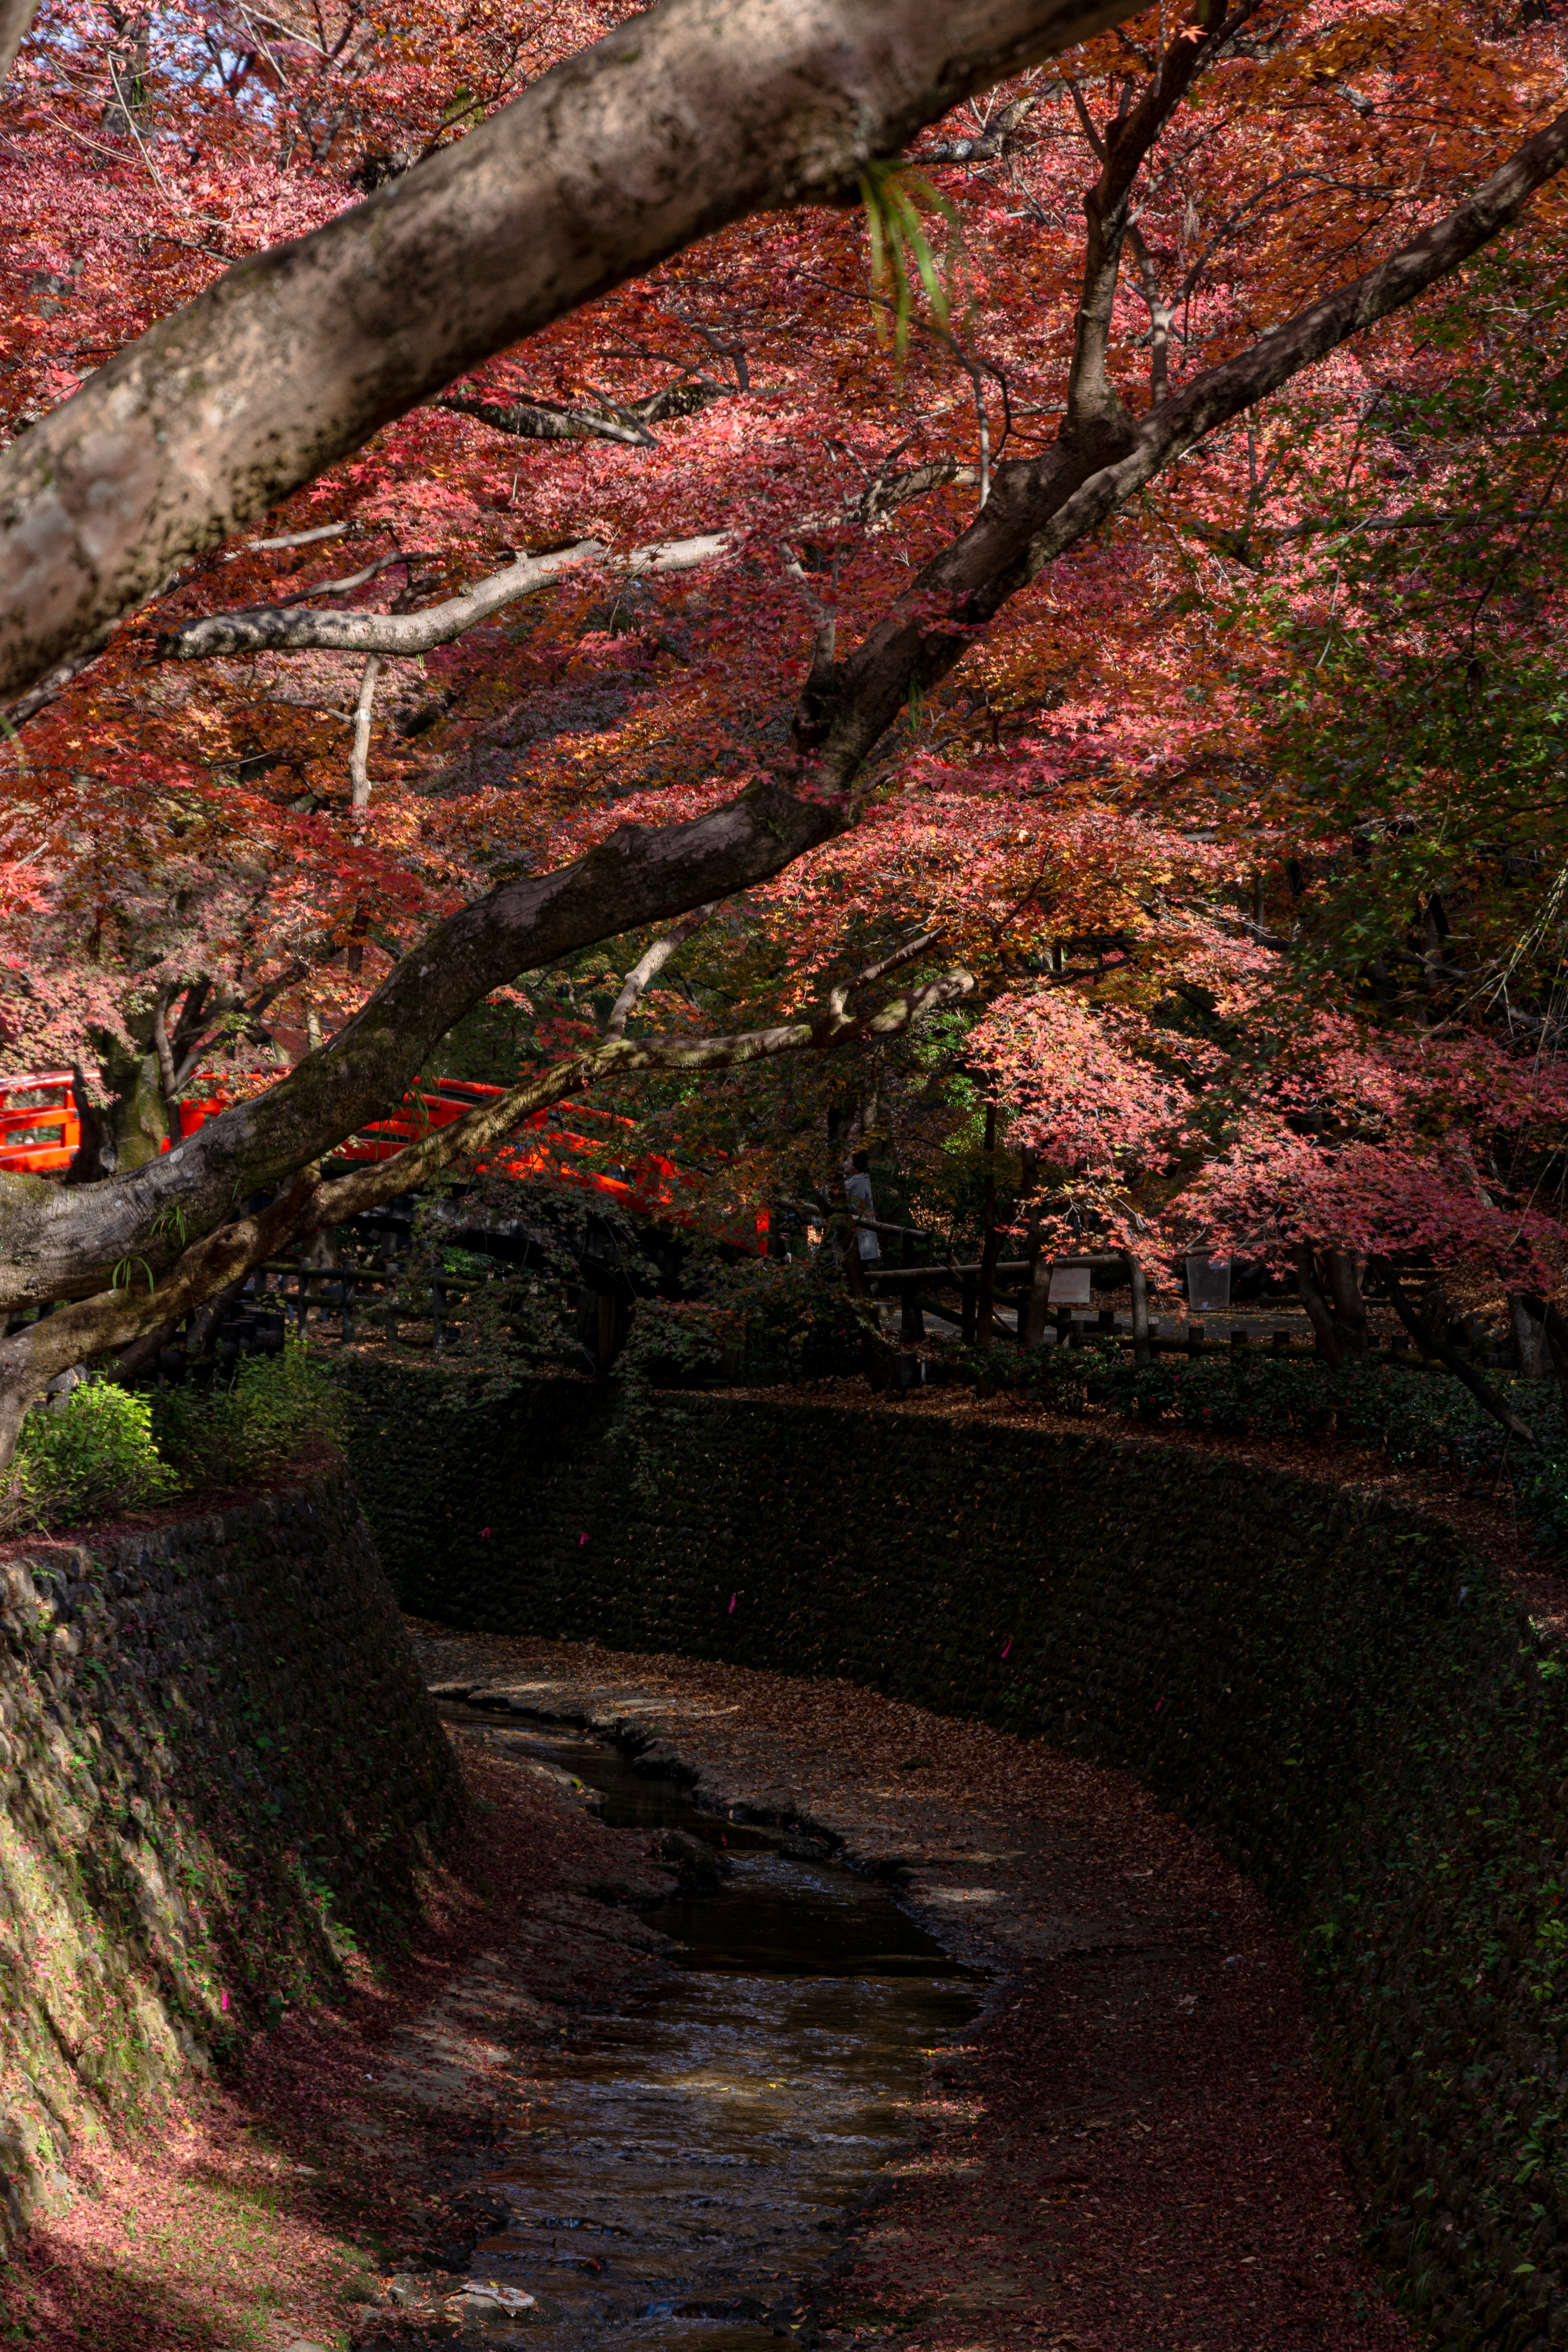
858 1193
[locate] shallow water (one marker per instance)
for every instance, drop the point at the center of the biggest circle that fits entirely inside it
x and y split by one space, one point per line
677 2183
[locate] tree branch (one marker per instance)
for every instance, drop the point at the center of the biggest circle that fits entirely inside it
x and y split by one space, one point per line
648 967
53 683
284 628
161 1043
1225 391
484 1128
359 757
1040 506
1092 401
547 420
113 1320
1480 1388
15 15
97 1326
57 1243
1319 1315
289 538
608 420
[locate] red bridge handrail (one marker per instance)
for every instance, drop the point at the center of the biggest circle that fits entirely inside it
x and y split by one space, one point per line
39 1137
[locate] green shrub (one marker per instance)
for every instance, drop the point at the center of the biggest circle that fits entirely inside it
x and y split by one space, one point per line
806 1327
246 1426
87 1459
108 1449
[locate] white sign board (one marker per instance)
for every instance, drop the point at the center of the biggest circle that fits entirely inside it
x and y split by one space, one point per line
1069 1287
1208 1284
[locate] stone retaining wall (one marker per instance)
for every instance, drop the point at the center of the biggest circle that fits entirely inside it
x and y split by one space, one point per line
1355 1707
220 1771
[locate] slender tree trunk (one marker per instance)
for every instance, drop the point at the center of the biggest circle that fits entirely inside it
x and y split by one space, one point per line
140 1353
94 1155
1317 1306
1349 1308
138 1116
1033 1311
207 1318
359 756
1480 1388
1142 1351
1529 1337
991 1247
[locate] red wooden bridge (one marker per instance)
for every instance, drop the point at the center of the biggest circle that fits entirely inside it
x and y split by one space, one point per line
40 1131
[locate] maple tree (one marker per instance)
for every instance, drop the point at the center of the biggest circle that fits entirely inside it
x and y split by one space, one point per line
960 584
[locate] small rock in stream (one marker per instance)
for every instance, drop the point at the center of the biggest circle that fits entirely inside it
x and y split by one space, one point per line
698 1864
492 2312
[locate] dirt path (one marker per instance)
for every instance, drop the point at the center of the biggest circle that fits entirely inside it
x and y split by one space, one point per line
1132 2149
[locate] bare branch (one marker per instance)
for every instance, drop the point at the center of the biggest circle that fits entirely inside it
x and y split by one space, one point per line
1040 506
546 420
1222 392
1123 148
1480 1388
487 1125
998 135
648 967
608 420
359 757
49 688
110 1321
53 685
354 580
1161 314
881 498
824 630
281 628
161 1043
289 538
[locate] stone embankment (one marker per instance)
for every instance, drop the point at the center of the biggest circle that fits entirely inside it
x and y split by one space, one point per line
221 1773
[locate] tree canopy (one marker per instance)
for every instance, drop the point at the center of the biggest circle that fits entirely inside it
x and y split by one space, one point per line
1041 563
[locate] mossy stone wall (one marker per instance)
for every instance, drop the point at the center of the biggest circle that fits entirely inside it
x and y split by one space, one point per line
219 1772
1352 1703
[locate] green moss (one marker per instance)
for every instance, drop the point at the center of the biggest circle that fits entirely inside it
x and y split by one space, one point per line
222 1776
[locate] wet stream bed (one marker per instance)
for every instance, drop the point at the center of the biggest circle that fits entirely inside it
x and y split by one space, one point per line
695 2154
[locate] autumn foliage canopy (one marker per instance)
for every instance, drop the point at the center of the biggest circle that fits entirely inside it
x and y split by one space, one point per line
1192 774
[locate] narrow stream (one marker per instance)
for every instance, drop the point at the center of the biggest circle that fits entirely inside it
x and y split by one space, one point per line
681 2180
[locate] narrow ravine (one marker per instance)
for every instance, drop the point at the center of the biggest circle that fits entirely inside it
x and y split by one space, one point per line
1129 2148
698 2149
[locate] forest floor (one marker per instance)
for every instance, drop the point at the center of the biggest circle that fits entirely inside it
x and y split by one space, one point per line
1131 2152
